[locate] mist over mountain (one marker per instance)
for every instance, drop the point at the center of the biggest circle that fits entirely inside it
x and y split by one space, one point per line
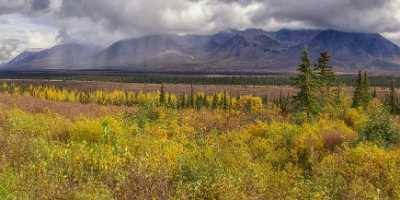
250 50
66 56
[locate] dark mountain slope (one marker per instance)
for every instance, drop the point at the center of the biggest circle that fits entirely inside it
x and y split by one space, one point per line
293 37
250 50
354 48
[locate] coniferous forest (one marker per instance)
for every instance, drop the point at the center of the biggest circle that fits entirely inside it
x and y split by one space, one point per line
320 143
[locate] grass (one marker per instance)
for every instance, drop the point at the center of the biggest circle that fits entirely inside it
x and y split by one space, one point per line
67 150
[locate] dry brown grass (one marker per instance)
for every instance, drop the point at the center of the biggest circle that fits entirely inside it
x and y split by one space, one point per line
69 110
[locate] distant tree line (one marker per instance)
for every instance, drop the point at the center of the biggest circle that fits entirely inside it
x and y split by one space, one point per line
245 80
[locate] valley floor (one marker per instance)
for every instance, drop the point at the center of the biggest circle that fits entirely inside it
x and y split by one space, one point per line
53 146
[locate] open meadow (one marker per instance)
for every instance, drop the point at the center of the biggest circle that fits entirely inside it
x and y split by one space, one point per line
98 140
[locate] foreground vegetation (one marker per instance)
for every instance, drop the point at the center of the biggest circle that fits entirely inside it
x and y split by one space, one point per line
166 146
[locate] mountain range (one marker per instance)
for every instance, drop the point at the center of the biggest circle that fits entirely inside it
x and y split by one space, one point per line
250 50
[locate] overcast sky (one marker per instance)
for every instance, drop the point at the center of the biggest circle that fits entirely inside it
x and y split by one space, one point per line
38 24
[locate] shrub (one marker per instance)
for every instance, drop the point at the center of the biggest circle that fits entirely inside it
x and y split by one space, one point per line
364 172
249 104
333 139
51 126
8 184
380 128
355 118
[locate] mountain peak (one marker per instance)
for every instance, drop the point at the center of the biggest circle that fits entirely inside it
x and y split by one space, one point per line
240 50
353 44
230 31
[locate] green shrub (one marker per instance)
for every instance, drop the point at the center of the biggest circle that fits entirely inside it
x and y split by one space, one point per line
380 128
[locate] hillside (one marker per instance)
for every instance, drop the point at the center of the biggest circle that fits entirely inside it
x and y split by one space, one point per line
67 56
250 50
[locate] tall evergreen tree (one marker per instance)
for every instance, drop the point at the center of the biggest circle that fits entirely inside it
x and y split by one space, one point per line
374 94
182 101
265 100
339 102
205 100
362 94
191 100
326 77
162 94
169 101
306 82
283 103
325 71
357 91
214 103
199 101
367 96
392 99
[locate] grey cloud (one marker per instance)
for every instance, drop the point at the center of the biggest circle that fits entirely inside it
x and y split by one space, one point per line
143 16
353 15
9 48
23 6
38 5
9 6
108 20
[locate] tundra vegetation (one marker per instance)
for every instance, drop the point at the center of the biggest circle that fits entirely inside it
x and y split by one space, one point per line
319 144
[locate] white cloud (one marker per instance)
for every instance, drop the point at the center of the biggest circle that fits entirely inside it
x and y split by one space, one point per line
20 34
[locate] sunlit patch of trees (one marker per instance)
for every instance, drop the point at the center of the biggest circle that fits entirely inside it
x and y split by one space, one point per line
198 100
319 144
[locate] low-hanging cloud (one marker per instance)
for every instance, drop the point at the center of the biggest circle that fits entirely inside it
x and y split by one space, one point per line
140 17
23 6
104 21
351 15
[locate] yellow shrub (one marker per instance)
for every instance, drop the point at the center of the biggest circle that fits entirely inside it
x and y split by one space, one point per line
356 118
365 172
49 125
249 104
86 130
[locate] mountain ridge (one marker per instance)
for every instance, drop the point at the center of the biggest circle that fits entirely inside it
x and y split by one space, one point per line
231 50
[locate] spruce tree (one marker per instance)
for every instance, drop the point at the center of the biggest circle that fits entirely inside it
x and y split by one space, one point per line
392 100
170 102
357 91
183 101
199 101
325 71
306 82
265 100
162 94
366 92
192 99
339 102
283 103
374 94
214 103
225 103
205 100
326 77
362 94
